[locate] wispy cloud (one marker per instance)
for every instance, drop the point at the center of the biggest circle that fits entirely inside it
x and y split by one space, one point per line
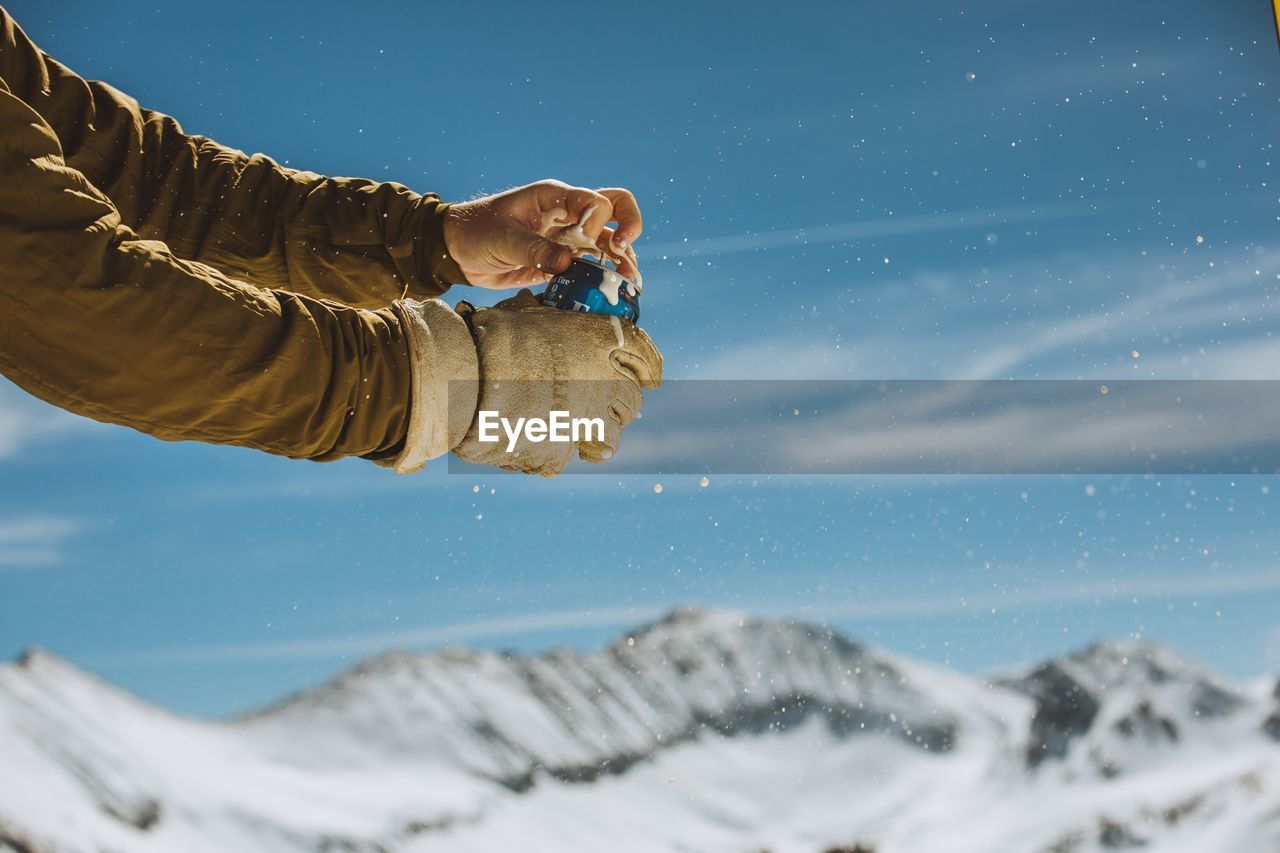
916 607
1205 303
894 226
1078 73
368 644
35 541
26 421
1116 298
1064 595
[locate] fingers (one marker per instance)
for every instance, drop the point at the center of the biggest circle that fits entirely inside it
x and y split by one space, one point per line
626 403
626 212
592 209
562 206
548 461
573 216
623 409
644 367
648 353
538 255
510 239
598 451
626 261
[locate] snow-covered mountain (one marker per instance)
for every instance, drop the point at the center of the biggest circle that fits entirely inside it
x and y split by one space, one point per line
707 731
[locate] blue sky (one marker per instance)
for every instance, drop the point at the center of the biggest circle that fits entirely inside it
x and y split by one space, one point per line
832 190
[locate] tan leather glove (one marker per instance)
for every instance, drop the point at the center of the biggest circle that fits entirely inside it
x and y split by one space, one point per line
535 360
527 361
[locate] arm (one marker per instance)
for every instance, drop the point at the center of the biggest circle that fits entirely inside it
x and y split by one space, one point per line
99 322
105 324
102 323
351 240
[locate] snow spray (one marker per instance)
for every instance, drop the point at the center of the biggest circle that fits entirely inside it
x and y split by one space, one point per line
591 287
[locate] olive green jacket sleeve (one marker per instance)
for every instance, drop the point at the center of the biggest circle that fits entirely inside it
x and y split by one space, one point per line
100 320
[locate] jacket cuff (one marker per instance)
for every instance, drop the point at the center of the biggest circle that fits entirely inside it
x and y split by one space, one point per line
445 382
433 268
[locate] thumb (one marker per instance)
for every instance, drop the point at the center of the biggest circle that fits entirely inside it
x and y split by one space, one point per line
538 253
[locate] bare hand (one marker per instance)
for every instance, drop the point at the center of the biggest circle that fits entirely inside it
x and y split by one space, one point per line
528 234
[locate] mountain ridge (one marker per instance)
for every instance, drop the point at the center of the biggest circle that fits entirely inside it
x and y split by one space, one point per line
416 752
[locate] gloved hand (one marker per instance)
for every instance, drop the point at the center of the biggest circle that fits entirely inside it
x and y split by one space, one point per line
522 360
535 359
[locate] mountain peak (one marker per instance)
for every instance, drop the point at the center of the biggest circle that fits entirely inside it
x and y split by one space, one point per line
693 623
1156 660
35 656
1118 689
687 619
574 715
36 664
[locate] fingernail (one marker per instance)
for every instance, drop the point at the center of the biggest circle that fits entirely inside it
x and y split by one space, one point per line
620 243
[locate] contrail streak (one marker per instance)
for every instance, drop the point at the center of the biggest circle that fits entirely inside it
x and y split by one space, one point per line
889 227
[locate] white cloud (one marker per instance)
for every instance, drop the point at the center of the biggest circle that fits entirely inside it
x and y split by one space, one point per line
1117 298
35 541
1087 594
1204 304
26 421
369 644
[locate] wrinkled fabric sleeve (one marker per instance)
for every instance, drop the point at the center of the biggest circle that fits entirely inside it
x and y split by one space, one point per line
359 242
101 322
